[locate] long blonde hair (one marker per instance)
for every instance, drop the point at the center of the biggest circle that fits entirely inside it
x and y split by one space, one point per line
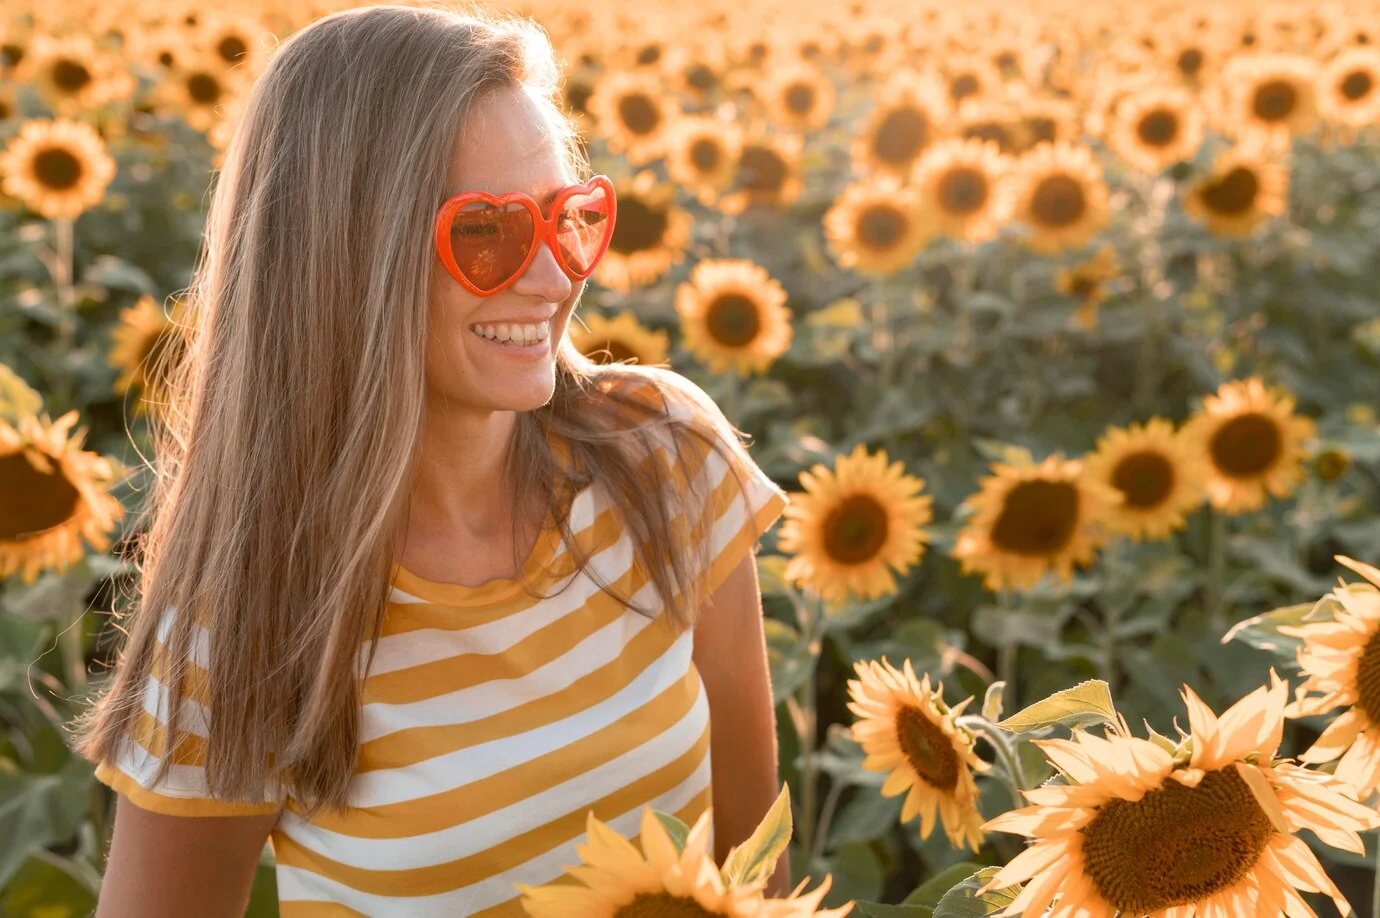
283 458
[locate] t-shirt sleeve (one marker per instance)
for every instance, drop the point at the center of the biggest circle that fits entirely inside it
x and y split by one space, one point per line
183 790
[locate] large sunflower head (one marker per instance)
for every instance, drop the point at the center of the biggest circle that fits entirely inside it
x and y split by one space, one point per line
649 237
147 345
55 496
1350 88
1246 188
1250 443
632 113
957 181
1159 477
1058 192
909 733
733 316
1268 96
1340 659
56 168
1030 520
1205 829
875 226
910 115
1156 127
854 526
619 340
73 75
1087 282
702 155
800 98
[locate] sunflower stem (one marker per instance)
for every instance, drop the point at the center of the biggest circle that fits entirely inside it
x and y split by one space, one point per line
826 817
1375 883
1217 567
809 784
965 280
67 312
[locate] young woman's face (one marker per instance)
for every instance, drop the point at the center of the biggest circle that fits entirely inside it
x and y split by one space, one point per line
508 144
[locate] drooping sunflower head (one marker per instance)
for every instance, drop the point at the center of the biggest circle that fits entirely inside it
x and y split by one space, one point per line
632 112
800 98
56 168
56 496
1088 284
957 181
147 345
1350 87
1156 127
910 115
621 339
1030 520
649 237
1269 96
1158 476
1250 443
875 227
702 155
1245 189
855 526
1058 192
908 732
733 316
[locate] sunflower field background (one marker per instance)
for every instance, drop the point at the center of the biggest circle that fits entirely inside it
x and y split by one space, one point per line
1060 323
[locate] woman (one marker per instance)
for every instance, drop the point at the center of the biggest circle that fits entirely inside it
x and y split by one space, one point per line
426 595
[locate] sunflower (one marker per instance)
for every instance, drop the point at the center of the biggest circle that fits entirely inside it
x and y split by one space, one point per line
957 181
619 340
632 113
767 173
1251 442
909 733
800 98
1030 520
854 525
197 87
74 76
55 496
1207 829
1244 190
1058 191
650 235
1331 463
1341 659
970 77
57 168
875 226
910 115
702 155
1047 120
1159 477
235 39
1087 281
999 120
733 315
147 345
1350 88
1156 127
1268 96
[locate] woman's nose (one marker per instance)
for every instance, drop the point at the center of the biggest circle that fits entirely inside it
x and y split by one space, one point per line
544 278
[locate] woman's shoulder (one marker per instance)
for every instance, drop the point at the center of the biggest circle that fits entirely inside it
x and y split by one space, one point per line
653 392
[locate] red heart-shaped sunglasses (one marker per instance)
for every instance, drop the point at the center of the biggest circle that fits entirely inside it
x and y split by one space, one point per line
487 241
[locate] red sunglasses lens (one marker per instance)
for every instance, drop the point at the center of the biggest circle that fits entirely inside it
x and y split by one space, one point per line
490 242
583 229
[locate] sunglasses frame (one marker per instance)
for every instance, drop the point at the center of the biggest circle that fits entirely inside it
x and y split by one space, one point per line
544 229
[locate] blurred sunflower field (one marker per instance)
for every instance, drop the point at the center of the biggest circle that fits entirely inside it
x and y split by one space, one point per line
1059 321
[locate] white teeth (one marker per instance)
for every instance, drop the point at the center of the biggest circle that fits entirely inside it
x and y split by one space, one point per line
517 334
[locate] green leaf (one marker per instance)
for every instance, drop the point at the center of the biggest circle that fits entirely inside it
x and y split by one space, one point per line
1086 703
755 859
771 573
932 890
963 900
40 810
992 701
788 658
17 399
882 910
678 830
1262 631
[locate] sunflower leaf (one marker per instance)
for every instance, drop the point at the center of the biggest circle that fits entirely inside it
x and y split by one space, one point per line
1263 631
755 859
932 890
675 829
17 398
963 900
1086 703
992 701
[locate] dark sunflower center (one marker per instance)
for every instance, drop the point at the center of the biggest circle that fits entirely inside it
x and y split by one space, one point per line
701 78
1038 518
612 351
1274 100
1246 446
963 86
901 135
231 48
928 749
1058 201
761 170
855 530
1085 287
1233 193
1042 130
1158 128
963 190
662 905
34 501
1331 465
70 76
11 54
577 97
881 226
166 59
1175 845
57 168
638 113
800 98
203 88
733 320
706 154
640 227
6 112
1368 679
648 54
1356 85
993 131
1189 61
1144 478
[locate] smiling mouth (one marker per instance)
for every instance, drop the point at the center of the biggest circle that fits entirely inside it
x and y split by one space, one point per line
514 334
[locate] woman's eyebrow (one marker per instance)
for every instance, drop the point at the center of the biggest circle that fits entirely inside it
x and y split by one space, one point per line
543 200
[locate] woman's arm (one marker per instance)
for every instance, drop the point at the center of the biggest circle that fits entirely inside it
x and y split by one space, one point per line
163 866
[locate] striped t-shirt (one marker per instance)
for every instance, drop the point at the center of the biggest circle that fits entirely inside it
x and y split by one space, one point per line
492 724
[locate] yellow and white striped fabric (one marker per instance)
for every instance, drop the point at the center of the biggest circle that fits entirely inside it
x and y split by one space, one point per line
492 723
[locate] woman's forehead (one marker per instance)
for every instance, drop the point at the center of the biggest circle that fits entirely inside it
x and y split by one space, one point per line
509 143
